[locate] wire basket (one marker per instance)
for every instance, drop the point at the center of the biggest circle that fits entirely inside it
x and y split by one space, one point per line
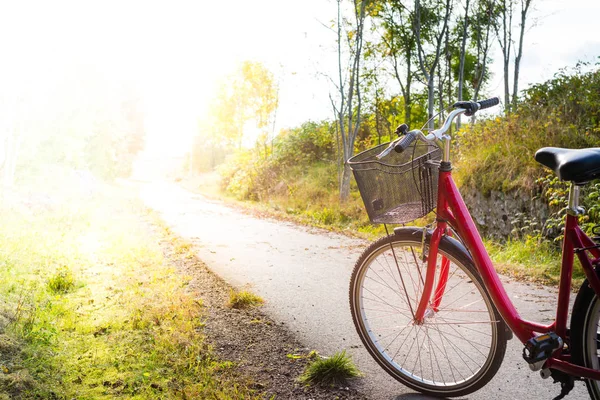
402 186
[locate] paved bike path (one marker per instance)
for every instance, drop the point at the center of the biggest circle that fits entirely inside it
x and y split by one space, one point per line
303 274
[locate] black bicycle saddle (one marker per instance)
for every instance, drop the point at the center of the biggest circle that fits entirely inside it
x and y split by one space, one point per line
576 165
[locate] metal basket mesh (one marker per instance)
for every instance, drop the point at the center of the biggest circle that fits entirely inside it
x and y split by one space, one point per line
399 188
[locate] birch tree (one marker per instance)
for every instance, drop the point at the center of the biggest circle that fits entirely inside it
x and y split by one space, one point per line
463 52
348 106
399 47
431 23
482 23
503 25
525 4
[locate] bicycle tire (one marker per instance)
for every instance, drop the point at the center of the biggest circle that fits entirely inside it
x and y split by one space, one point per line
441 333
585 326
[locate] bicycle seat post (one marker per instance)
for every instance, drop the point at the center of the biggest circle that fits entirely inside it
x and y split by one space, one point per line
574 208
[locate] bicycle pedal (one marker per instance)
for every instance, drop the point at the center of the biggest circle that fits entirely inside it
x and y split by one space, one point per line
538 349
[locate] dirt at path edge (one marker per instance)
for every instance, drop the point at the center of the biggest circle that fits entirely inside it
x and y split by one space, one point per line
258 345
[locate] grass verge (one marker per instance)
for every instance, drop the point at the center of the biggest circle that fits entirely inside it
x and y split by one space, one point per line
92 309
531 259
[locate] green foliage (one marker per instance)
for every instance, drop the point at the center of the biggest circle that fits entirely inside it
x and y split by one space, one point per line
258 174
311 142
563 112
556 194
571 96
331 371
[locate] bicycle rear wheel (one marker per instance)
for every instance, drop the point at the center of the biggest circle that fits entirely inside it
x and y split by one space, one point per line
460 344
585 334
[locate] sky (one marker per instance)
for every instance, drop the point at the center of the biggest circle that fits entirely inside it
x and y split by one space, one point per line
174 52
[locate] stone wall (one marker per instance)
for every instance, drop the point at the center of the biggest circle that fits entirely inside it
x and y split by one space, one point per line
494 214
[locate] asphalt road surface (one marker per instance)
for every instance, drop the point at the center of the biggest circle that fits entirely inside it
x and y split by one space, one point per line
303 274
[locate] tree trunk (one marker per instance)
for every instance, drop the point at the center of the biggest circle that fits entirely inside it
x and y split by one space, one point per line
484 50
506 86
505 41
440 90
407 96
345 183
430 102
352 114
524 9
461 66
430 71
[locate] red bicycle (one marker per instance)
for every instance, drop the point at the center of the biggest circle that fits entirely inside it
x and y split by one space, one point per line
427 302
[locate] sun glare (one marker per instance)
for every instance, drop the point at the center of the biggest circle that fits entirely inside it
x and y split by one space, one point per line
66 56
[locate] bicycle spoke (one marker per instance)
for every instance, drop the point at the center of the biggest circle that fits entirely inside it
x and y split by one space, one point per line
397 292
448 358
391 334
460 336
390 272
431 358
419 281
402 280
437 361
402 345
384 315
388 312
381 300
455 300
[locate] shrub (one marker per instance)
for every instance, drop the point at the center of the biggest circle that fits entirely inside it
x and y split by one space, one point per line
498 154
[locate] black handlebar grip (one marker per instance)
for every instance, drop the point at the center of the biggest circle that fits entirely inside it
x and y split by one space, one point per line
405 141
487 103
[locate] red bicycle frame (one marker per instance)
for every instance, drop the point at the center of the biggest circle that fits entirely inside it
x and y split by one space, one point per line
451 210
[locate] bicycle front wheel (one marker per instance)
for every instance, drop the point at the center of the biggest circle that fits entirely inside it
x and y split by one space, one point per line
461 342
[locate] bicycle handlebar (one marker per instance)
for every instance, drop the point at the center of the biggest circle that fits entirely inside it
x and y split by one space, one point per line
468 108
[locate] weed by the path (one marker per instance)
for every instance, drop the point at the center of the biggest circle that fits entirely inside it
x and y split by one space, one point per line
335 370
244 299
62 281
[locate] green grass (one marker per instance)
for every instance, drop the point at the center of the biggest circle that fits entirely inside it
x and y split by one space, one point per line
243 299
531 259
97 311
330 371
